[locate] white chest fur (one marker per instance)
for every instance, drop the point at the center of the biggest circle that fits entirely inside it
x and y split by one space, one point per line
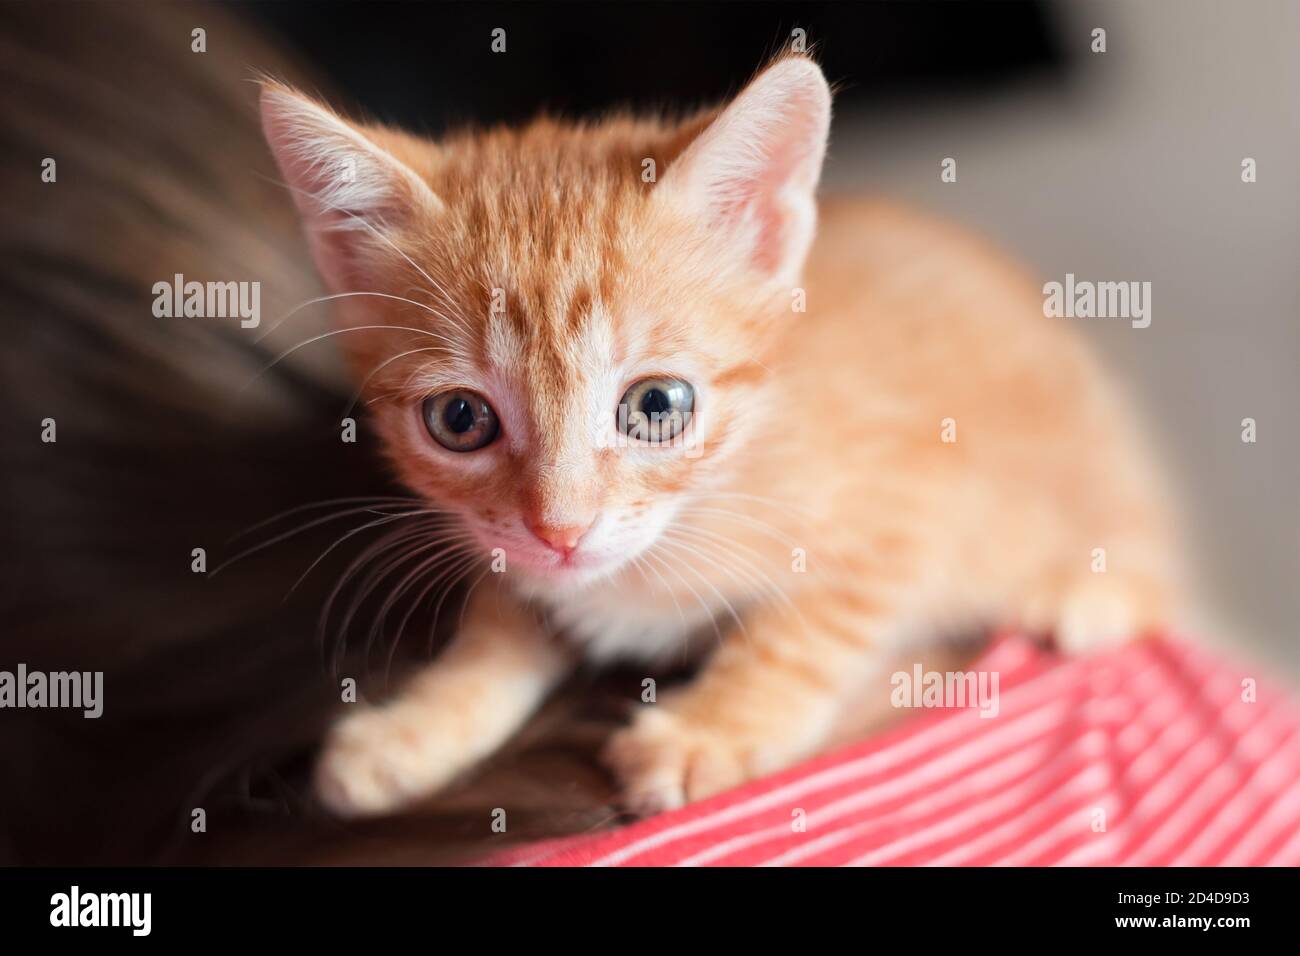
620 624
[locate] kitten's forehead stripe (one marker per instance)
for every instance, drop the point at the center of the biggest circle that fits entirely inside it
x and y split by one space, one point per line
580 304
554 205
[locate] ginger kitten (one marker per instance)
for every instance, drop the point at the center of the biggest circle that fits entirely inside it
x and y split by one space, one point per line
667 422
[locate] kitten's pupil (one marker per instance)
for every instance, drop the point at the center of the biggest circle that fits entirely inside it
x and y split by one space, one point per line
655 402
459 415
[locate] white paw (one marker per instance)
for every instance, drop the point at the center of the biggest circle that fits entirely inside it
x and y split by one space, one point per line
662 763
1093 619
380 759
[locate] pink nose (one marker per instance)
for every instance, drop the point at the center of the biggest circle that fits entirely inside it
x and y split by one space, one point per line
562 539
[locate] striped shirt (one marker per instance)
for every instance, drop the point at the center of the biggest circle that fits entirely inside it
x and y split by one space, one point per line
1151 754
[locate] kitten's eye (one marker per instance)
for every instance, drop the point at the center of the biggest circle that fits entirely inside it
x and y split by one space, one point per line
460 420
656 409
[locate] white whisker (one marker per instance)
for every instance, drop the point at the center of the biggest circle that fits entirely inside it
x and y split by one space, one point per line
713 619
379 368
248 552
457 541
376 501
753 570
325 335
342 295
389 519
671 543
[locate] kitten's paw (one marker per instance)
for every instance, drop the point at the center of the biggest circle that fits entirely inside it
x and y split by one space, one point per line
378 760
1098 612
1094 620
663 763
1107 613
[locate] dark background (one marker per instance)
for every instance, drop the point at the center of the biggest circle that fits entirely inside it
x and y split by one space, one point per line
579 58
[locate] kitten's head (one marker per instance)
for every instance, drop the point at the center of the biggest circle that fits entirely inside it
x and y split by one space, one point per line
561 328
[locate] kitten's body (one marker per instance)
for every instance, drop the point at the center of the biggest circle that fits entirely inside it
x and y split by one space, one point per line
909 323
917 451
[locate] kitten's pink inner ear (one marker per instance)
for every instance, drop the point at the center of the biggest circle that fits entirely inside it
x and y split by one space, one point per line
753 172
348 190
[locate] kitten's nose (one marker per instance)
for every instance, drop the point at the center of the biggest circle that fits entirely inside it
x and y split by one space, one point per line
562 539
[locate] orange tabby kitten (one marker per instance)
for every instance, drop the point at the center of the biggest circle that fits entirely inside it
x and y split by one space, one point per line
670 421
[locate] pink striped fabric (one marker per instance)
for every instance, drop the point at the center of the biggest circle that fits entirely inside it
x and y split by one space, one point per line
1153 754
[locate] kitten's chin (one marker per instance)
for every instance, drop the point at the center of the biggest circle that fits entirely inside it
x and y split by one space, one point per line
550 573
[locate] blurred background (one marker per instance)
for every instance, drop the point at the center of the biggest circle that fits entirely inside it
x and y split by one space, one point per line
1122 165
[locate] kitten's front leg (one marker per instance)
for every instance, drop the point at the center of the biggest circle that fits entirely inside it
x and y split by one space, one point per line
455 712
767 698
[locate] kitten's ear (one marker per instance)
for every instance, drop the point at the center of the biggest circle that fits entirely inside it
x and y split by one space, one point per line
752 173
352 194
